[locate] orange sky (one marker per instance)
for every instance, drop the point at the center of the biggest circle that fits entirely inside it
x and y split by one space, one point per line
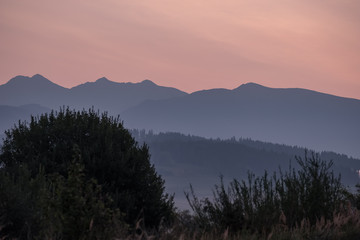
190 45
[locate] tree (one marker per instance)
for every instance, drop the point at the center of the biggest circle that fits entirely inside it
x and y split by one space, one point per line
55 207
109 153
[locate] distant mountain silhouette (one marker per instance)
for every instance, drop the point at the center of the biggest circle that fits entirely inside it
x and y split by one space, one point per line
102 94
290 116
117 97
17 95
23 90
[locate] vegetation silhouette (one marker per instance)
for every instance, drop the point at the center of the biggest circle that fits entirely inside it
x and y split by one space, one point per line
81 175
259 204
113 168
202 160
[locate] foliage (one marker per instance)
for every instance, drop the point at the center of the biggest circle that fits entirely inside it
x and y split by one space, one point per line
17 194
307 194
55 207
109 154
310 193
357 197
344 225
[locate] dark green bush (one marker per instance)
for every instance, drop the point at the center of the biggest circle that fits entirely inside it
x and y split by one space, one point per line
56 207
311 192
357 197
109 155
308 194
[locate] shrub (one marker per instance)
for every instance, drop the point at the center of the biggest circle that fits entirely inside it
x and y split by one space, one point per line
56 207
257 205
109 155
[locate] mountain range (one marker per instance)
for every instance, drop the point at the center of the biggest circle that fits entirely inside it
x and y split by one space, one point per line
288 116
102 94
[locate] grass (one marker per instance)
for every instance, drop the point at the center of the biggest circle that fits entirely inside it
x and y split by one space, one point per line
345 225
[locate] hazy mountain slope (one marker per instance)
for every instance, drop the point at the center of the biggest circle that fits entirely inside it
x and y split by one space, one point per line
10 115
102 94
185 159
22 90
116 97
291 116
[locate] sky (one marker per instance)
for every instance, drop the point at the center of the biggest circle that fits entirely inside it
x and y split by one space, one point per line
190 45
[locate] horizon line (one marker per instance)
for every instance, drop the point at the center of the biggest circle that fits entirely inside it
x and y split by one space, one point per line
200 90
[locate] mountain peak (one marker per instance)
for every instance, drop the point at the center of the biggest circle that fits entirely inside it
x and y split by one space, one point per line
39 76
249 86
26 83
103 80
148 82
37 79
16 79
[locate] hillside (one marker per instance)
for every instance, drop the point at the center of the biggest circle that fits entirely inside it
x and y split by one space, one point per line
288 116
184 159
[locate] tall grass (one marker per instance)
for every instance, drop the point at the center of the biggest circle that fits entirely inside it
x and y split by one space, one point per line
344 225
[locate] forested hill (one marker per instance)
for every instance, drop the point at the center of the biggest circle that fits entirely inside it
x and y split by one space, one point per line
184 159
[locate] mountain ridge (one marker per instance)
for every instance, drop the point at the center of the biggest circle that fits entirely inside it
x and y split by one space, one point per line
111 96
289 116
293 116
247 85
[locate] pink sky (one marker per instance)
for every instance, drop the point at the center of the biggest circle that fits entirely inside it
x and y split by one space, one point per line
190 45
